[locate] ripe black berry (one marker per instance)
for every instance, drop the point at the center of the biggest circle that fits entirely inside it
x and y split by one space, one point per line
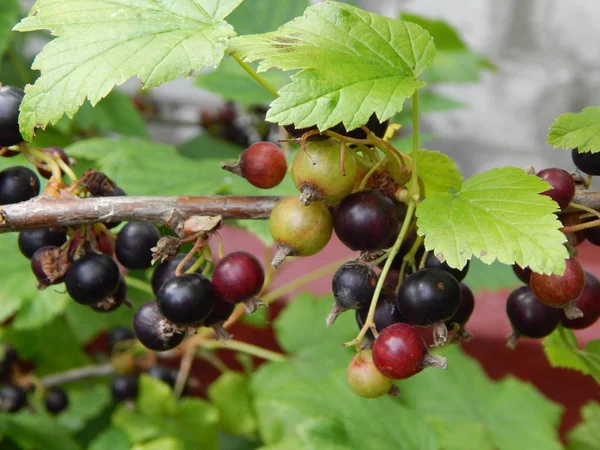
528 316
378 128
589 304
149 327
263 164
31 240
524 274
366 221
124 387
112 302
218 316
353 286
238 277
298 132
586 162
187 299
386 313
12 398
18 184
164 374
431 262
563 186
465 308
10 101
134 243
92 278
166 271
117 335
56 400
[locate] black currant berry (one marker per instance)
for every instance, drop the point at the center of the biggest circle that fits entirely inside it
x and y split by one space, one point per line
112 302
586 162
431 262
134 243
528 316
8 358
386 313
353 286
124 387
56 400
429 297
218 316
563 185
524 274
49 265
18 184
589 304
12 398
166 271
92 278
152 331
378 128
366 221
117 335
186 300
164 374
31 240
10 101
263 164
299 132
237 277
457 322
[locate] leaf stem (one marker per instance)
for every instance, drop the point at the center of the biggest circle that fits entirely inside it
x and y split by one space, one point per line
138 284
244 347
414 179
80 373
260 80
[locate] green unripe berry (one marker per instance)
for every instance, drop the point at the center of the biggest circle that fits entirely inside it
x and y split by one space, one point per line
299 230
365 379
318 175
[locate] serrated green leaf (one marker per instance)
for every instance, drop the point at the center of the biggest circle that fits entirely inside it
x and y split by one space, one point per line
591 356
454 61
581 130
36 432
586 435
157 41
111 439
232 83
206 146
231 395
438 172
166 443
9 14
562 350
86 402
155 398
461 395
266 15
130 163
353 63
497 215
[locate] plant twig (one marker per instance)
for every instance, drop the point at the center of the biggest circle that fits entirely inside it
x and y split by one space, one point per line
80 373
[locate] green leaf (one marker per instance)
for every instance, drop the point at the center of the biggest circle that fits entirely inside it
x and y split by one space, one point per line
591 356
498 214
438 172
581 130
166 443
490 277
9 14
465 407
86 402
206 146
231 395
36 432
562 350
114 113
434 102
190 421
352 63
232 83
454 61
157 41
130 163
586 435
266 15
111 439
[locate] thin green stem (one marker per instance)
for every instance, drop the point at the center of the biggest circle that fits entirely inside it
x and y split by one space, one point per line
260 80
369 174
414 180
585 208
244 347
138 284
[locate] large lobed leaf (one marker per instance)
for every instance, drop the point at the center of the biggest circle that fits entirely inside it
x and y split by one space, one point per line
438 172
352 63
586 436
102 43
562 350
497 214
581 130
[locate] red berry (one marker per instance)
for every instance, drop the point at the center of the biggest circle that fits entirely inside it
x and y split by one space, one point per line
399 352
559 290
563 186
263 164
238 277
589 304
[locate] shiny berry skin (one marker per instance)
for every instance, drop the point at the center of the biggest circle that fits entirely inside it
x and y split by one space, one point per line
465 308
32 240
400 352
219 314
148 329
134 243
18 184
117 335
166 271
187 299
428 296
366 221
112 302
386 313
528 316
317 172
91 278
364 378
238 277
164 374
559 290
353 285
431 262
263 164
10 101
54 152
56 400
523 274
124 387
563 186
589 304
586 162
12 398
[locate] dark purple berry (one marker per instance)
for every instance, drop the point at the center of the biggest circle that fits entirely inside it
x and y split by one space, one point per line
31 240
528 316
92 278
186 300
353 286
151 330
12 398
465 308
237 277
134 243
112 302
166 271
431 262
117 335
124 387
386 313
18 184
563 186
56 400
10 101
589 304
524 274
586 162
164 374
